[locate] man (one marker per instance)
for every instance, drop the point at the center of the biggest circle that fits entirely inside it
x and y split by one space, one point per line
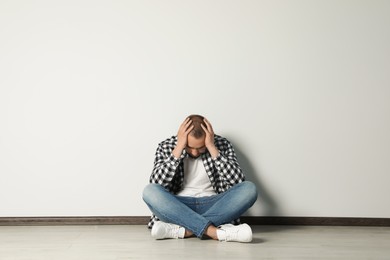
197 186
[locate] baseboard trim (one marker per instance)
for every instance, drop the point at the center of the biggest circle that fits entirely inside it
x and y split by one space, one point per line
143 220
317 221
53 221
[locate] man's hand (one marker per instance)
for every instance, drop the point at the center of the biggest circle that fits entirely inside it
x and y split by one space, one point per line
209 140
184 129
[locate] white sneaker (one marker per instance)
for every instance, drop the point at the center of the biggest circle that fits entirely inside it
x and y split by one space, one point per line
161 230
240 233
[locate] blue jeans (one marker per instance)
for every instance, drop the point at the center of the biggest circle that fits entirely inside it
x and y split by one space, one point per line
196 214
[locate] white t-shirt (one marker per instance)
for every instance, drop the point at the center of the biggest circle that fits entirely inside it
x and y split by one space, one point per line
196 181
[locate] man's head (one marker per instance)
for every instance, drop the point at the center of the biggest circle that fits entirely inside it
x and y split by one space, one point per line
196 138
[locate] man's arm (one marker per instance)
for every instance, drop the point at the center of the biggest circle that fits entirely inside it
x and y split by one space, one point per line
169 155
227 164
165 165
224 157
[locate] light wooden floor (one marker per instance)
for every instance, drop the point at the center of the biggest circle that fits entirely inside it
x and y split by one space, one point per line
134 242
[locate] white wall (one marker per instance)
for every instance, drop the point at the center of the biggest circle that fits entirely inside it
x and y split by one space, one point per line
88 89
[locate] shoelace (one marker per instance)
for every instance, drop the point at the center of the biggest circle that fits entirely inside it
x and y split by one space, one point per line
232 234
174 232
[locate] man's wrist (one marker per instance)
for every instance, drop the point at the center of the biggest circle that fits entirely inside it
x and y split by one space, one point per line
177 152
213 150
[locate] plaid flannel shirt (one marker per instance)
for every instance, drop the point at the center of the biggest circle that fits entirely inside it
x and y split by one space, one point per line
223 171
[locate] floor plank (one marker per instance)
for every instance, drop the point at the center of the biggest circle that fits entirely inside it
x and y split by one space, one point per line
124 242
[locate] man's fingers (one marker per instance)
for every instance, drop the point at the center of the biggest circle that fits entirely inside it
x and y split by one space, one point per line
189 129
185 121
186 124
208 125
204 128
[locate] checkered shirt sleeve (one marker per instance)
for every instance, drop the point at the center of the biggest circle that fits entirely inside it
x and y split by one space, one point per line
224 171
168 171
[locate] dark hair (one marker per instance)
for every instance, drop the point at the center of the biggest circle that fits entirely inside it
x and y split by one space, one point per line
197 121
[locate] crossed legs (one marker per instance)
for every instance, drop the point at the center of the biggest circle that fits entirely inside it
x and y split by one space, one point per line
200 216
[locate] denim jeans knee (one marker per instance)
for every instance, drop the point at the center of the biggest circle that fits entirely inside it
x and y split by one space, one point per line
150 192
250 190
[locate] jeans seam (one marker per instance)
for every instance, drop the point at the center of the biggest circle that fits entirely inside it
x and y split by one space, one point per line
204 229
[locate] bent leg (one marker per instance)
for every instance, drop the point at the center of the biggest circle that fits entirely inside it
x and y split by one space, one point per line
169 209
231 204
